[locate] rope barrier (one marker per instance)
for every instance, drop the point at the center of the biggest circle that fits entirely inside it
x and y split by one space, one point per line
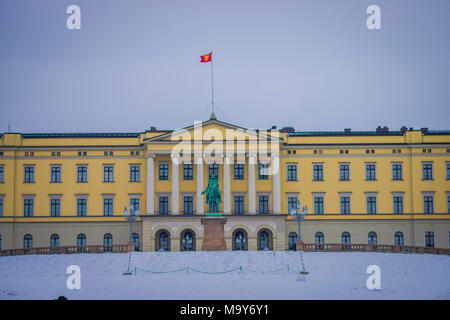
240 268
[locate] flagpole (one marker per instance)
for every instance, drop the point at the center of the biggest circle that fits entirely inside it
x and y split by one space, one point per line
212 82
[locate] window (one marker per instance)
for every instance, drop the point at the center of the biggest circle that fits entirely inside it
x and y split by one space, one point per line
55 174
163 205
292 172
239 206
398 239
397 172
163 241
448 204
108 173
163 171
107 241
263 204
29 174
134 205
188 205
318 172
263 171
239 171
108 207
82 174
429 239
319 237
1 207
188 171
54 240
292 241
1 242
345 238
2 173
344 172
398 205
428 204
371 205
265 240
372 238
135 238
345 205
239 240
427 169
213 170
81 207
55 207
188 241
370 172
292 205
318 205
81 240
28 241
28 207
135 173
447 168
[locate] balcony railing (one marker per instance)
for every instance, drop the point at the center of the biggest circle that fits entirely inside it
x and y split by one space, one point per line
115 248
339 247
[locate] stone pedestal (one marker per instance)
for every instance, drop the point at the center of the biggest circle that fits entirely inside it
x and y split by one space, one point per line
213 235
300 245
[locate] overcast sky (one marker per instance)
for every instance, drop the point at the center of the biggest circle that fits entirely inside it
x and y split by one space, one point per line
309 64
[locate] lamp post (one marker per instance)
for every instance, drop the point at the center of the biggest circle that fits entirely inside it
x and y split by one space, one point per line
132 217
299 216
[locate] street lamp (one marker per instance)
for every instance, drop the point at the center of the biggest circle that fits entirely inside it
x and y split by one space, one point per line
132 217
299 216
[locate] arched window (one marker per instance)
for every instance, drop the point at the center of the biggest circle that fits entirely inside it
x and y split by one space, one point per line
54 240
81 240
345 238
107 241
162 241
319 238
136 241
398 239
239 240
265 240
292 241
187 240
372 238
28 241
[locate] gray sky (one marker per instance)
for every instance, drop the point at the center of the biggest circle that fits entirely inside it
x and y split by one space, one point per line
310 64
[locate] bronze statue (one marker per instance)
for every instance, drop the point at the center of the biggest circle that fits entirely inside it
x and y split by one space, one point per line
213 197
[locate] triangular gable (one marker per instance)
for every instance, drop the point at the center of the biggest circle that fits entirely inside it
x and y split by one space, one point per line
213 128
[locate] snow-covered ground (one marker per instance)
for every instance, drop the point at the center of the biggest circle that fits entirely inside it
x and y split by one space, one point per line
331 276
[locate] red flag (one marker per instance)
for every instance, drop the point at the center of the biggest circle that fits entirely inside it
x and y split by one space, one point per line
206 57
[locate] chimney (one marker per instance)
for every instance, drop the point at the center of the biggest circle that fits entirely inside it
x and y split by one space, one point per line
424 130
403 129
274 127
152 128
378 129
347 130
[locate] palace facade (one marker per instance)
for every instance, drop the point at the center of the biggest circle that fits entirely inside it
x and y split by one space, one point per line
382 186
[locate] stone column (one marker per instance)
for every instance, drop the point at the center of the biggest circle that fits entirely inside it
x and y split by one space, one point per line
175 186
199 184
276 184
251 185
226 185
150 184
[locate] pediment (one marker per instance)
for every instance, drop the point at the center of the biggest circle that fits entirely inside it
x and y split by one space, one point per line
215 130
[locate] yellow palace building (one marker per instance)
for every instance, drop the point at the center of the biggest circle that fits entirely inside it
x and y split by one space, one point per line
367 187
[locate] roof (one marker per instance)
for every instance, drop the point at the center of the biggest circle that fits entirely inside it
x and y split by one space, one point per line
82 135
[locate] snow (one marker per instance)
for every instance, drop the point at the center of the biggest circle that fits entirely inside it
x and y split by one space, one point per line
331 276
